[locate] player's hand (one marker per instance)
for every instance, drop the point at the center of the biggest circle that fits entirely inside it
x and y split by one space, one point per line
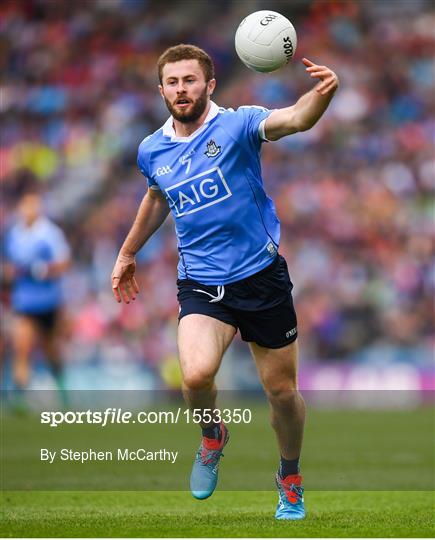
124 284
10 272
328 79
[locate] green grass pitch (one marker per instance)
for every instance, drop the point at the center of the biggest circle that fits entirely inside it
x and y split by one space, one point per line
226 514
346 454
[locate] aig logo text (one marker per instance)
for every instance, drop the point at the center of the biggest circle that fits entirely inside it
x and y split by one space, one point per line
198 192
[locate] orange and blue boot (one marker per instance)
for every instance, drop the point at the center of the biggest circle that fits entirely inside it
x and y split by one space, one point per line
291 497
204 477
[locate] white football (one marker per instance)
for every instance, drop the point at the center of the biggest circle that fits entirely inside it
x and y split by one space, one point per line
265 41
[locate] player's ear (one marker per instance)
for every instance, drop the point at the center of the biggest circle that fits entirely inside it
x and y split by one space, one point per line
161 91
211 86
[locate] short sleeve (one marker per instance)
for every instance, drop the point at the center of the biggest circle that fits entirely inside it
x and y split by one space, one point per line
6 245
59 245
254 118
143 165
11 245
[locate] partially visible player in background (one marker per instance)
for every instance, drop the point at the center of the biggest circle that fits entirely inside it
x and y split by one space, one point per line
37 255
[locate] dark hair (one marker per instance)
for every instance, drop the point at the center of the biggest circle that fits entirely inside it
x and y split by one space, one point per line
186 52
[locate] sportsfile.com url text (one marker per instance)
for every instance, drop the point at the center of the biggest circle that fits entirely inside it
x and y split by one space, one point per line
113 415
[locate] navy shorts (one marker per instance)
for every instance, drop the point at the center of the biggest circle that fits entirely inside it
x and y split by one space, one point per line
46 321
260 306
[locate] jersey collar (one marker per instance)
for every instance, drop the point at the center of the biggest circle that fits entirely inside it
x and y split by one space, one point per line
168 127
39 223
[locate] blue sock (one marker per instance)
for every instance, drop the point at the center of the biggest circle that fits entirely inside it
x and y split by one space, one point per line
288 467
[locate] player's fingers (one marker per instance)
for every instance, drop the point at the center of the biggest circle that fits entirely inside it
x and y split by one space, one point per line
315 68
135 285
326 87
327 90
321 89
116 294
323 83
124 294
332 83
307 62
322 73
331 79
131 290
328 78
115 284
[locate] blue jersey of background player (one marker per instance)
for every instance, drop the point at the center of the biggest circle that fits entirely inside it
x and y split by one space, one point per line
203 165
33 247
226 225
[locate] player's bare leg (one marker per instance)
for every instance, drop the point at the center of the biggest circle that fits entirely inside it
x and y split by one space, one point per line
202 342
24 334
277 369
52 351
278 373
51 348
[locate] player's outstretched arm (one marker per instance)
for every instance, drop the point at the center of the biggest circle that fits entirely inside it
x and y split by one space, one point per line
152 212
308 109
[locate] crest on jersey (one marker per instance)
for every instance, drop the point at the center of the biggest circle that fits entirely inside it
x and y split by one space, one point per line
212 149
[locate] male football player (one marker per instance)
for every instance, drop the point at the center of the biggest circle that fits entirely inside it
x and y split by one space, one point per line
37 255
203 165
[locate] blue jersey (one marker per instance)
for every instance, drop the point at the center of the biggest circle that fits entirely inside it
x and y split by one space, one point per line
29 248
226 225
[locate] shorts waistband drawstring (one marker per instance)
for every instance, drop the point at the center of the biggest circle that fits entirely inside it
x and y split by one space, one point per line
214 299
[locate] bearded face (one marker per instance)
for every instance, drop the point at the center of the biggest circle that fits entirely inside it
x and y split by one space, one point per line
187 110
185 90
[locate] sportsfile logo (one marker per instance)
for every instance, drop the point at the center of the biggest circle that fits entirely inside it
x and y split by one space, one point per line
199 192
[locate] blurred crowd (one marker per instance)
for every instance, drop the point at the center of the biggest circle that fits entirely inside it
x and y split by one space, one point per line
354 194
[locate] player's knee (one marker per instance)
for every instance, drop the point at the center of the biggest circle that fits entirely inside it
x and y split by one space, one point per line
281 392
197 380
22 347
